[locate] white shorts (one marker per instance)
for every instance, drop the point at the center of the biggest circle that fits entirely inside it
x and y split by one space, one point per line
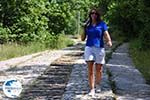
94 54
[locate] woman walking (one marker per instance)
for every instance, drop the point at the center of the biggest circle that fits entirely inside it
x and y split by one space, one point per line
94 52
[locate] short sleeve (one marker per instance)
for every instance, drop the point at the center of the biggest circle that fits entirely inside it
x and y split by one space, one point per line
105 28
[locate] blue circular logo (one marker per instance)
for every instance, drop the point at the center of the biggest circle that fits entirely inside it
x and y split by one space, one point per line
12 88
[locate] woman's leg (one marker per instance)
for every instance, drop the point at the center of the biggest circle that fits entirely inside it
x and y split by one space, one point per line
91 73
98 73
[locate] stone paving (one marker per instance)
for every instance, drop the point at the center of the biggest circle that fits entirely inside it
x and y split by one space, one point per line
62 75
38 74
51 84
129 83
77 87
27 68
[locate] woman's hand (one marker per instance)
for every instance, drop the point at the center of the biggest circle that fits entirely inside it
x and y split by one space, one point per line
109 43
83 35
108 39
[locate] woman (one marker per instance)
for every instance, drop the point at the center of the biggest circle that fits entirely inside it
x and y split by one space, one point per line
94 52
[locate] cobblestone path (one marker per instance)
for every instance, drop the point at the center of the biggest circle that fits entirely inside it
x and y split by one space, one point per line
62 75
51 84
129 83
28 68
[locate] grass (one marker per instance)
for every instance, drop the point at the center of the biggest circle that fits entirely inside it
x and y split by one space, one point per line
12 50
141 59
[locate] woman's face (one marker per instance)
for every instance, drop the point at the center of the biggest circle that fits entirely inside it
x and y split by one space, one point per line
93 15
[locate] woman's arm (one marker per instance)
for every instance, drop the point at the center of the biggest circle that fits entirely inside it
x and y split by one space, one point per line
108 39
83 36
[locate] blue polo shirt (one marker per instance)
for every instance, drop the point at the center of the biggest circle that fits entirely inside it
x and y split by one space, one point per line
95 34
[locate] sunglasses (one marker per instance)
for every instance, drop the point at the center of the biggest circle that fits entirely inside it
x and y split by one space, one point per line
93 13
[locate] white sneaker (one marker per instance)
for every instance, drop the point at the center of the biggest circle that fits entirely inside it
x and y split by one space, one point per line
92 92
98 89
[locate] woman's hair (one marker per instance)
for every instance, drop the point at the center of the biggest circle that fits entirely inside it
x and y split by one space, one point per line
89 20
98 19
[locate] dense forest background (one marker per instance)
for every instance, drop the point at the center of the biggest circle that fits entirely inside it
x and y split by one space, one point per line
23 21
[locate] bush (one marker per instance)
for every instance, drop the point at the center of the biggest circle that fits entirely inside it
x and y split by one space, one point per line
4 34
57 41
140 58
28 19
145 38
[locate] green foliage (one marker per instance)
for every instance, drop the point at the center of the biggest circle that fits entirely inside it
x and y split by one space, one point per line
24 19
144 38
57 41
10 50
36 20
130 18
4 34
33 20
140 58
